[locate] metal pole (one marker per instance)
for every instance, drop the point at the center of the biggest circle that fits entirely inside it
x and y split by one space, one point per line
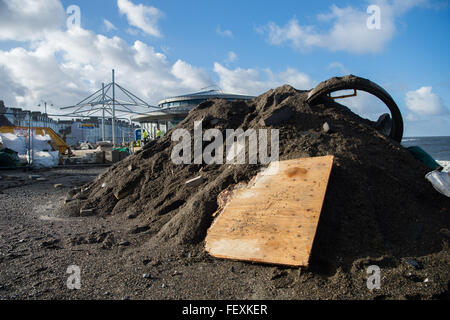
29 139
113 110
103 112
131 138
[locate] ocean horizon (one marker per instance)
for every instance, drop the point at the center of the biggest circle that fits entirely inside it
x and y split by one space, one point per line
437 146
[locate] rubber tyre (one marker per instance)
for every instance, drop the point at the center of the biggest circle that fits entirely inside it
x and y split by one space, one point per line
354 82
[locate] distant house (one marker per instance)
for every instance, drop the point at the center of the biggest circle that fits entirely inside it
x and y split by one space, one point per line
73 131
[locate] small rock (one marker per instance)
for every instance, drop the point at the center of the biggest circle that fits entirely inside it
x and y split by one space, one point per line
139 229
146 261
51 244
68 199
131 167
194 182
107 293
41 179
122 194
132 216
426 280
146 276
163 285
327 128
58 186
124 243
176 273
86 212
34 177
103 185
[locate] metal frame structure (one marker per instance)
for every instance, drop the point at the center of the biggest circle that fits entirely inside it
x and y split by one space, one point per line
105 101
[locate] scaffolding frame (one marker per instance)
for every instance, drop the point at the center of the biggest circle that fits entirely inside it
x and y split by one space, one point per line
105 101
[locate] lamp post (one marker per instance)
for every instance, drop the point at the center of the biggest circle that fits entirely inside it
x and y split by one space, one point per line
44 103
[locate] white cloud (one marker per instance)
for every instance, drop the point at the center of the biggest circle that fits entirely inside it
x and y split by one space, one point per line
190 76
224 33
231 57
67 66
411 117
424 102
109 25
348 29
364 104
29 19
255 82
339 66
8 88
141 16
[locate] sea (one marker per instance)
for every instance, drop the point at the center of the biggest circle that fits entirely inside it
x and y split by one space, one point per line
437 147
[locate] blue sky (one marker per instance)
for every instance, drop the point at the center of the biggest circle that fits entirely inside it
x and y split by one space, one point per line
162 48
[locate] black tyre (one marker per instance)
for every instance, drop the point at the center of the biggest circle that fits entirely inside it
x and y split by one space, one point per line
354 82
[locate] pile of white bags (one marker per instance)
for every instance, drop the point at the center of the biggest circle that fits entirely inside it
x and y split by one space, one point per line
43 156
40 143
13 142
44 159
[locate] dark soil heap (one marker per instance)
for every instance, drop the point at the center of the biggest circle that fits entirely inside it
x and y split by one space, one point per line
378 204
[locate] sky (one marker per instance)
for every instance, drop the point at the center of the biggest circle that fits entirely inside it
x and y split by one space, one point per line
163 48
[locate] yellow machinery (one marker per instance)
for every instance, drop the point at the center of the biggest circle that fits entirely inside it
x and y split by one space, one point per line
23 131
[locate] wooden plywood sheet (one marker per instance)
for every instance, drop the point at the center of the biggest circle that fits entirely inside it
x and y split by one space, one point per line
274 219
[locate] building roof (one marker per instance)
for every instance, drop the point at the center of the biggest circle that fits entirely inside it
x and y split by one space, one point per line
210 94
175 112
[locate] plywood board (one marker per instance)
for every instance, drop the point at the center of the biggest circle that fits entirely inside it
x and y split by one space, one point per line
274 219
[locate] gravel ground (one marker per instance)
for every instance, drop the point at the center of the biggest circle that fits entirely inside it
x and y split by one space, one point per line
37 247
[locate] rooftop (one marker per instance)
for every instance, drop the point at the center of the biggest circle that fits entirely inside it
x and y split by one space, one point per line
205 95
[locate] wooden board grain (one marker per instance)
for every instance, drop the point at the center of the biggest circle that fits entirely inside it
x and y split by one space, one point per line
274 219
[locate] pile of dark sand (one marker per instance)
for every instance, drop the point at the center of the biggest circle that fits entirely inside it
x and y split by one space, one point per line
378 209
